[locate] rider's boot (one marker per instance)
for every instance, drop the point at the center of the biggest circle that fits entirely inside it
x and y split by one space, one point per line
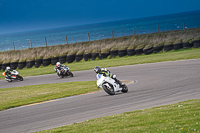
8 78
119 82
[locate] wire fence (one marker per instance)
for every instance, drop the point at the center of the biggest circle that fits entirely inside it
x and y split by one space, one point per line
116 31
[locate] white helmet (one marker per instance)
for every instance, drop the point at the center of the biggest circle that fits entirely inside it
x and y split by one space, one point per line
8 68
58 64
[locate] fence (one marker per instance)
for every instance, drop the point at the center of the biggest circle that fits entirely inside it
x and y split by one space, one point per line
123 31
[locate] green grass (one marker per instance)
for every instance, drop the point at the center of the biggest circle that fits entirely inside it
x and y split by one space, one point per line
181 117
191 53
18 96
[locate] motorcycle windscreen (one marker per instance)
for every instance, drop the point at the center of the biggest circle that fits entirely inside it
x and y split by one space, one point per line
98 76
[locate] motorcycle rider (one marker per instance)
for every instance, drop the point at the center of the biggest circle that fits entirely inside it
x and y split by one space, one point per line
58 66
8 72
107 73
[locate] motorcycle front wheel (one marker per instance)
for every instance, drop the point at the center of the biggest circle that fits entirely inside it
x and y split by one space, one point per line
60 75
108 90
20 78
124 89
71 74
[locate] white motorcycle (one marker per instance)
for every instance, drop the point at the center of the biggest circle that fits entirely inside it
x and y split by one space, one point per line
109 85
64 71
14 76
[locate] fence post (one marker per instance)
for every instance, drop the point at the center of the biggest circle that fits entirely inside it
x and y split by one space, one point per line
133 30
45 41
66 39
158 27
88 37
30 44
112 34
183 25
13 46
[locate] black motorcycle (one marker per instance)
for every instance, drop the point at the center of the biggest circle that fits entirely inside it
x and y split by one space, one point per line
64 71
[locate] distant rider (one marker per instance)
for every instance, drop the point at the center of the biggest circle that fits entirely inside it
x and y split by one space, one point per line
8 72
59 66
107 73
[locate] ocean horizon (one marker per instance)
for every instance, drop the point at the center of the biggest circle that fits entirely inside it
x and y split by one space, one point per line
97 31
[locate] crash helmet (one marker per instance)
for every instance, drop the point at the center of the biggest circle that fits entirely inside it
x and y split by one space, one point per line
97 69
58 64
8 68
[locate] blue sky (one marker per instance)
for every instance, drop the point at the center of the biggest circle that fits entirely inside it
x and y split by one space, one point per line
25 15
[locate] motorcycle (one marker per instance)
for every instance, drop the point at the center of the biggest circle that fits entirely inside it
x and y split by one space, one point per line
14 76
109 85
64 71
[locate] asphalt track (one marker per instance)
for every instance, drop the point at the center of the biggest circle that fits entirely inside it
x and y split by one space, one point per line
155 84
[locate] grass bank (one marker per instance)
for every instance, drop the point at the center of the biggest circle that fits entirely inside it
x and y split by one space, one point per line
18 96
143 41
179 117
182 54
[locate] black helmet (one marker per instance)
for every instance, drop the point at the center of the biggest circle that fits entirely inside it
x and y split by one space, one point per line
97 69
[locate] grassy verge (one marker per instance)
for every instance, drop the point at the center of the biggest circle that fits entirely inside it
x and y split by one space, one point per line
179 117
191 53
18 96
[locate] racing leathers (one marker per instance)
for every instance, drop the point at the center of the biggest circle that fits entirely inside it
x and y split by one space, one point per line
8 73
105 72
58 67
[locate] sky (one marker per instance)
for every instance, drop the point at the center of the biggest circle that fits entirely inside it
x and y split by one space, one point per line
26 15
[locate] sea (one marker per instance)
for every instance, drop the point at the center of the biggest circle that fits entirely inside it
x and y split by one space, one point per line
97 31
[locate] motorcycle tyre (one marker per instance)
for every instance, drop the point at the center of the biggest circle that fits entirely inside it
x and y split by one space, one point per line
108 91
124 89
71 74
60 75
20 78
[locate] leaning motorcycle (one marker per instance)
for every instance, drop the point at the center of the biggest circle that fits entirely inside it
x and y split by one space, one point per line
64 71
14 76
109 85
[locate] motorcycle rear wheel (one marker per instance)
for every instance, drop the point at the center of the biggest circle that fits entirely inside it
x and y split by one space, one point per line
110 91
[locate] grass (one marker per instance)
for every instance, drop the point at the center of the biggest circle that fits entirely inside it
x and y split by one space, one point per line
192 53
179 117
18 96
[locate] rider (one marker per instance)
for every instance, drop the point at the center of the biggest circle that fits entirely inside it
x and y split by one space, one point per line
8 72
58 66
107 73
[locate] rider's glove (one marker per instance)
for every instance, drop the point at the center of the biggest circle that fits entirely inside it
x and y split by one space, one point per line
114 76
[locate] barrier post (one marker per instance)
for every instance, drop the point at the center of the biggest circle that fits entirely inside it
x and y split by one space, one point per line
88 37
133 31
13 46
30 44
45 41
158 27
66 39
112 34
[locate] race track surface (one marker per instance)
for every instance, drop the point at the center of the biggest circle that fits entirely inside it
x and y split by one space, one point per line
155 84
